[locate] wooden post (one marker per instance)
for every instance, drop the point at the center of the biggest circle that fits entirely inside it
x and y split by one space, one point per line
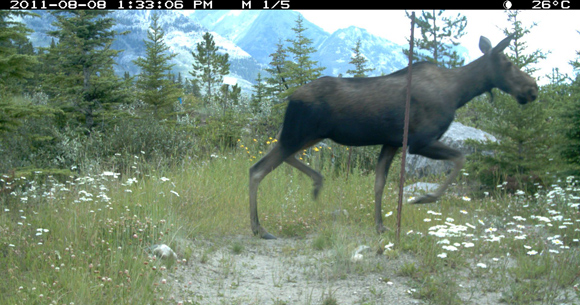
406 130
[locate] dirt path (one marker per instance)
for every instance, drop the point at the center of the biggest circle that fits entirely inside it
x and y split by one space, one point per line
285 271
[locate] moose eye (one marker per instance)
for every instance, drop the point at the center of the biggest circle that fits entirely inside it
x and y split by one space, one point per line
508 64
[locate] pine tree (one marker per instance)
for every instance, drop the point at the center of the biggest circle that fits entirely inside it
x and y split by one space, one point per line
276 84
84 84
15 62
209 66
570 150
301 70
155 84
359 62
230 96
258 100
524 142
439 35
569 119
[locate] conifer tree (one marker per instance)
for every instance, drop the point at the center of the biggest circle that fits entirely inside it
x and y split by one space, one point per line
569 114
276 84
523 149
570 150
439 35
84 84
156 86
258 100
15 67
359 62
230 96
13 64
209 66
301 69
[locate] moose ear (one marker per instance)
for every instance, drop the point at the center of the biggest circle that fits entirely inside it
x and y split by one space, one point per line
484 44
503 44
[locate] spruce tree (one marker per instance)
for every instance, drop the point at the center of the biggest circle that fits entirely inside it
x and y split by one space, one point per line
13 64
276 84
569 115
439 35
301 69
84 84
523 149
15 67
258 100
155 84
209 66
570 150
359 62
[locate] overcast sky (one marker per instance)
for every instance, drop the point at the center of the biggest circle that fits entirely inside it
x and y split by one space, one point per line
556 31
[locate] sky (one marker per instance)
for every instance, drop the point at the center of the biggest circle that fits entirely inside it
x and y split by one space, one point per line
555 33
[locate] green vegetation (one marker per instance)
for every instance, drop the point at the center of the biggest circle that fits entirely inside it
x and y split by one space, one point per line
90 181
156 88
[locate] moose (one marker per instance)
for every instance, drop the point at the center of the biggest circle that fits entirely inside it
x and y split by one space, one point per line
370 111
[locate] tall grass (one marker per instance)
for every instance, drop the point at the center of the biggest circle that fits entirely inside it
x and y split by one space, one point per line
85 239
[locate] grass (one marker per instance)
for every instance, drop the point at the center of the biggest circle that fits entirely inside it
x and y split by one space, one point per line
84 240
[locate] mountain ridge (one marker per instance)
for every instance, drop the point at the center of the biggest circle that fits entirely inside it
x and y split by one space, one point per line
249 37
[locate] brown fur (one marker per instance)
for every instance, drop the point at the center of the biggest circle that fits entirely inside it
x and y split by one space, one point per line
370 111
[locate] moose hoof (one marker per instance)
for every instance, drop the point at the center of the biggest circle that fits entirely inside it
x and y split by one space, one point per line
268 236
381 229
264 234
428 198
316 191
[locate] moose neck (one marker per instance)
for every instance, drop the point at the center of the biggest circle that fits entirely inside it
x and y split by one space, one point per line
472 80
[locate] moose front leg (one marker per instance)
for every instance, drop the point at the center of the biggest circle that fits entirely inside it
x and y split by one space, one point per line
381 171
257 172
440 151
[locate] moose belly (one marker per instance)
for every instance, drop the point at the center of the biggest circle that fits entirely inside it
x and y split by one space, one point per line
357 133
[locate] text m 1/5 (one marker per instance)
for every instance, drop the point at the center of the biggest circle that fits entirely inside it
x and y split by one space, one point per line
280 4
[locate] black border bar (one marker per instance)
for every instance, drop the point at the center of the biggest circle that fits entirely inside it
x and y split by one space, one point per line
288 4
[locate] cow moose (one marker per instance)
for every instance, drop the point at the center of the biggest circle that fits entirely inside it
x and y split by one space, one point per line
370 111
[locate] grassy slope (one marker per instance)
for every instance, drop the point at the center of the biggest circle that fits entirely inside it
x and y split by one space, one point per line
84 241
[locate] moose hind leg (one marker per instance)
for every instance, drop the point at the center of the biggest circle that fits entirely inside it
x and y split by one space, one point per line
314 175
440 151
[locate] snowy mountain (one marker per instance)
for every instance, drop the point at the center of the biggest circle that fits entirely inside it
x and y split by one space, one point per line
249 37
182 34
258 32
382 55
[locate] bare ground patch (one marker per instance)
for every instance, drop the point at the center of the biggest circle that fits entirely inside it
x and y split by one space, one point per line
246 270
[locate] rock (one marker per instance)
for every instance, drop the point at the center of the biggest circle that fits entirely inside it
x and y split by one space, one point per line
419 166
420 188
357 255
163 251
